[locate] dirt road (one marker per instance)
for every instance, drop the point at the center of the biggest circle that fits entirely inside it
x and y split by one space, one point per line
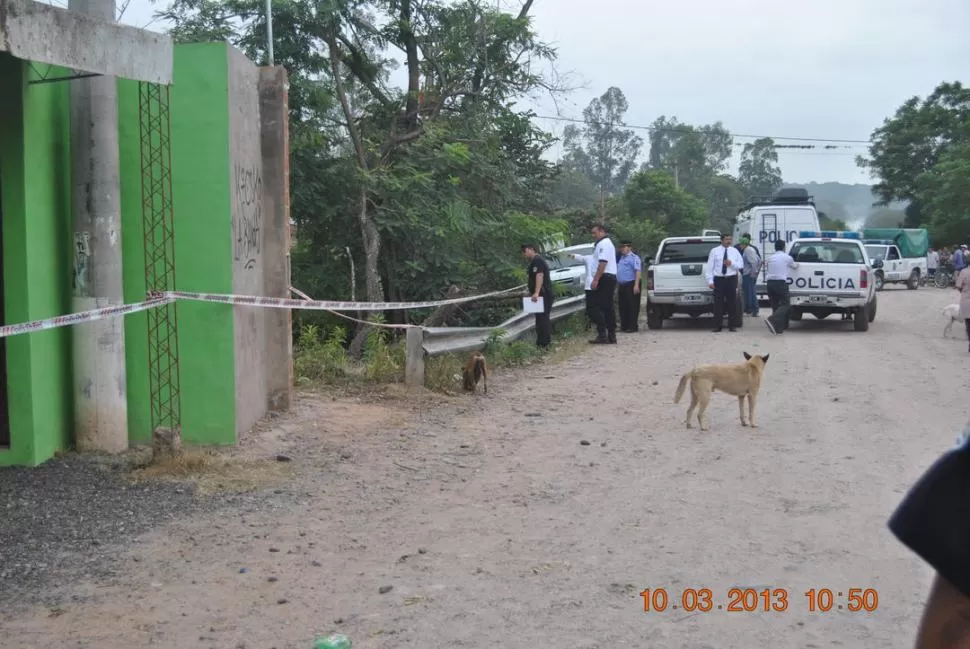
534 517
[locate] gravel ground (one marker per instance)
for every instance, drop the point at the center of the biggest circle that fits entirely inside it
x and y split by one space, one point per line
60 521
532 517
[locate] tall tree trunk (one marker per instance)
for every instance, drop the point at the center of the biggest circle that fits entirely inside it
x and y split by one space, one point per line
370 236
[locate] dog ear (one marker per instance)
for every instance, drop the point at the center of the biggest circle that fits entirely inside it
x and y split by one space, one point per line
747 356
765 357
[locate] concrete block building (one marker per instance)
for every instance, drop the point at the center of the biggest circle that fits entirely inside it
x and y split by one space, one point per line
229 176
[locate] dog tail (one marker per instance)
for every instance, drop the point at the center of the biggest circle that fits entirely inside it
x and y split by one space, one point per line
482 369
682 386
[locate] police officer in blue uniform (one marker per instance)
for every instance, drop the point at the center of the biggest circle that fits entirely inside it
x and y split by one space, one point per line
934 522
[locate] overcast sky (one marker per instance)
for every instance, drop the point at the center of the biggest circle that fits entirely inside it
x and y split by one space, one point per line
819 69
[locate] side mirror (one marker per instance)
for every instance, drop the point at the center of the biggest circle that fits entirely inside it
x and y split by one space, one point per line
877 263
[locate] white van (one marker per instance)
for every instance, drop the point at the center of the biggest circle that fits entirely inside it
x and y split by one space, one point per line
782 217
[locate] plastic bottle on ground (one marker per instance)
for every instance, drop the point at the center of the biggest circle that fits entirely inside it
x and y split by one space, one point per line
335 641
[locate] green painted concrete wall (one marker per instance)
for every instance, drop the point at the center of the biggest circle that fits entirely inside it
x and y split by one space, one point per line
203 240
35 136
38 263
199 114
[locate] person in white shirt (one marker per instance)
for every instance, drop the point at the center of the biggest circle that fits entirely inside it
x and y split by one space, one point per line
776 280
604 286
932 262
724 265
591 264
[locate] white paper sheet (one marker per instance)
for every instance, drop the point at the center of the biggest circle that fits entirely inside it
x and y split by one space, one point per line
533 307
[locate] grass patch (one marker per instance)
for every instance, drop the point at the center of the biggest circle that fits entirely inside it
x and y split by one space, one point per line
324 358
443 373
211 471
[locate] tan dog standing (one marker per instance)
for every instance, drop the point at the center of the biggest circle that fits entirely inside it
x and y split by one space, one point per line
740 379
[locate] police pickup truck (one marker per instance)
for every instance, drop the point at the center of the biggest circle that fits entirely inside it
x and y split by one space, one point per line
834 275
676 282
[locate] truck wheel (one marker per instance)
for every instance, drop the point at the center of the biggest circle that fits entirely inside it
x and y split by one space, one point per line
655 319
880 281
872 309
795 315
860 319
913 282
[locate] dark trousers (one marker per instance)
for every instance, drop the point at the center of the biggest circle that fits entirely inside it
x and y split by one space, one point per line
629 306
750 294
590 307
967 323
603 314
780 304
544 323
726 298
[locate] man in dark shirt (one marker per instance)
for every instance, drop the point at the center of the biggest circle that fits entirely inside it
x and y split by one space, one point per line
934 522
540 285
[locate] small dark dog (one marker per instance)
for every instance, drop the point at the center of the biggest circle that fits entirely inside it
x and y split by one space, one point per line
475 370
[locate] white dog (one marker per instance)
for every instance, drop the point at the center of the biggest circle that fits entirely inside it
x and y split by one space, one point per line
952 314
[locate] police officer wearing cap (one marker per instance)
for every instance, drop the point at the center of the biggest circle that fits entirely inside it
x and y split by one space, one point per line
628 272
933 521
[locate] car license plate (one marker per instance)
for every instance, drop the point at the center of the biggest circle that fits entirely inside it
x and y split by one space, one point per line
818 298
691 298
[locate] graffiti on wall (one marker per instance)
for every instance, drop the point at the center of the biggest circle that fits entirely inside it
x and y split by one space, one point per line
247 217
82 265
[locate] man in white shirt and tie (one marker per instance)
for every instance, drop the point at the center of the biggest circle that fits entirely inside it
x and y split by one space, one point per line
776 280
604 287
724 264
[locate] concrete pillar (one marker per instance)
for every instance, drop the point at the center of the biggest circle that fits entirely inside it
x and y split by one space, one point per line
414 357
275 149
100 391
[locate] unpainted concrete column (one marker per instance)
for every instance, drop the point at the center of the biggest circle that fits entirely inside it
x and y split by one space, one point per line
275 145
100 389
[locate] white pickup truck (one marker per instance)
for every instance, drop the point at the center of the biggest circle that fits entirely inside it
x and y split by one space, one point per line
896 269
834 275
676 282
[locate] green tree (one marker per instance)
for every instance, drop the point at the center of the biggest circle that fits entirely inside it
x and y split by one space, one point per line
827 222
693 155
652 195
912 142
604 148
572 189
726 197
946 188
759 173
428 186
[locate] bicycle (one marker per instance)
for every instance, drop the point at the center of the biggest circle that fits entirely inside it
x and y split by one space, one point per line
945 276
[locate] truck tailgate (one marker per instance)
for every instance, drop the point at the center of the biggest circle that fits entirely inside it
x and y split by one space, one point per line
679 278
828 279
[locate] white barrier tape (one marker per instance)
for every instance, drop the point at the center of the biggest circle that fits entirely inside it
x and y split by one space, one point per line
84 316
322 305
307 298
159 299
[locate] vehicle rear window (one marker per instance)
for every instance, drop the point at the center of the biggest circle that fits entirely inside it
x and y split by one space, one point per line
684 252
876 252
558 262
828 252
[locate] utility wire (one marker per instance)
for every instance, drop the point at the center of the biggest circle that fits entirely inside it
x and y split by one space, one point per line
684 130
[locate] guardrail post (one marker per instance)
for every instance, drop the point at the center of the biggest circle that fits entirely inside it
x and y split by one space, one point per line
414 365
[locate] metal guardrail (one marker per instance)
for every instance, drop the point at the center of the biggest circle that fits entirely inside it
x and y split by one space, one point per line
433 341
